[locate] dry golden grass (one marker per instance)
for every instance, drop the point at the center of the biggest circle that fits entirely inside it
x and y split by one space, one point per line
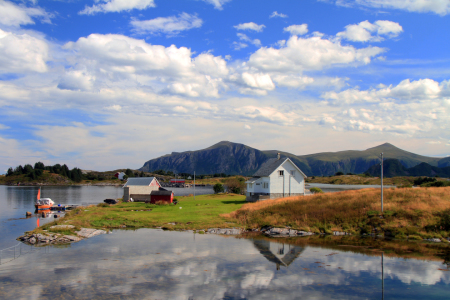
357 179
354 211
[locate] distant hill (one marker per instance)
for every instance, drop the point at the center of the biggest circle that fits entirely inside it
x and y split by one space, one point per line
224 157
393 168
233 158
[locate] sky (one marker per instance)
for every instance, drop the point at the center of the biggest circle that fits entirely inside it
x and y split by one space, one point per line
108 84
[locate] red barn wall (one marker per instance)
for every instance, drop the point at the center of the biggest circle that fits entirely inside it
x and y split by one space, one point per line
165 198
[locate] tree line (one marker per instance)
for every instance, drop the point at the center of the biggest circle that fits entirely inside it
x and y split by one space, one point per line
35 172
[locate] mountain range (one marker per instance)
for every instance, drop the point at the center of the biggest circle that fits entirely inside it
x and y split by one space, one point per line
393 167
233 158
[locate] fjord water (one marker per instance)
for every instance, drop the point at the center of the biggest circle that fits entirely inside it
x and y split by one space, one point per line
156 264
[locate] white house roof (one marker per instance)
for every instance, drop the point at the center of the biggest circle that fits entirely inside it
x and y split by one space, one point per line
271 165
142 181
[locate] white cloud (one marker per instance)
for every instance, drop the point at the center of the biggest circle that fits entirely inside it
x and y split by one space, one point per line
440 7
77 80
246 126
297 29
362 32
423 89
21 53
106 6
293 81
245 38
167 25
218 4
119 59
239 45
258 80
114 107
312 53
275 14
15 15
250 26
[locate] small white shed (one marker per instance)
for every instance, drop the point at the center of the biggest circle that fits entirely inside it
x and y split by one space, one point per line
277 178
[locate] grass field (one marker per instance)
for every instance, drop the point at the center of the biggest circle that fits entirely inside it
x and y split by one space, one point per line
408 212
412 213
202 213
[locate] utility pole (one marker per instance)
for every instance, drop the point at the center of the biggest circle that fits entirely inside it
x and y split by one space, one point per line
381 182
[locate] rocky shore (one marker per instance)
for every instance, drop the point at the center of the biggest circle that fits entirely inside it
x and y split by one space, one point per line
49 237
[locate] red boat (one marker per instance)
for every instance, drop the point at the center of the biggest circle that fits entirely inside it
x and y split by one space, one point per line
44 203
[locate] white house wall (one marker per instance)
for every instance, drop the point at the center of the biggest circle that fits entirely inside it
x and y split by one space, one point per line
287 184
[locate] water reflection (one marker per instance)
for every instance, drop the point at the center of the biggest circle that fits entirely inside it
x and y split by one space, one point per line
152 264
278 253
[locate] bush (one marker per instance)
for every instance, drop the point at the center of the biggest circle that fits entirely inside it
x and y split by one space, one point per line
234 185
218 188
339 173
315 190
422 180
445 219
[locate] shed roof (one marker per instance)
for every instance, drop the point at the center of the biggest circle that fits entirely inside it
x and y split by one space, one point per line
251 180
161 192
271 165
141 181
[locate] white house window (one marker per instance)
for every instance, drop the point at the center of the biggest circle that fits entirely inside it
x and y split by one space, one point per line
293 172
281 172
251 185
266 185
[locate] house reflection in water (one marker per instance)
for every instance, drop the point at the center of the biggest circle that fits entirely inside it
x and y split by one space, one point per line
279 254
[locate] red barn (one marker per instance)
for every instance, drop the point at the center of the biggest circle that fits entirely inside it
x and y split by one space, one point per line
161 195
177 181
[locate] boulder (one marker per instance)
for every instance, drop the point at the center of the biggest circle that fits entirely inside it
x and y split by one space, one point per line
304 233
71 238
435 240
89 232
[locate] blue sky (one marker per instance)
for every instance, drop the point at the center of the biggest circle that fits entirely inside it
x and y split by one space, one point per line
108 84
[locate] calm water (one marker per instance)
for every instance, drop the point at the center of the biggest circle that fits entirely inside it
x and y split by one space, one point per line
153 264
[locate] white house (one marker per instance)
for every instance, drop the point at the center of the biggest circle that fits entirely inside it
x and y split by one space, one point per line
119 175
139 188
277 178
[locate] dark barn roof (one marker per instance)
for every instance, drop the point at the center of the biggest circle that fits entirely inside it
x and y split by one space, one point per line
269 166
161 192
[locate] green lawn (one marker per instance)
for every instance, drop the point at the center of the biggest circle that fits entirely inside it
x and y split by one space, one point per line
202 213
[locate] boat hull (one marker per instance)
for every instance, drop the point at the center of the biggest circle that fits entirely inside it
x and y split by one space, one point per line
42 207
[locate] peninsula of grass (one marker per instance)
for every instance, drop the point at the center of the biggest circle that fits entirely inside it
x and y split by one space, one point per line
409 213
202 213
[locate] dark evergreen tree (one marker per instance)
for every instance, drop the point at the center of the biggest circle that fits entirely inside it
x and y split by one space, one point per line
39 166
129 173
10 172
18 170
27 169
